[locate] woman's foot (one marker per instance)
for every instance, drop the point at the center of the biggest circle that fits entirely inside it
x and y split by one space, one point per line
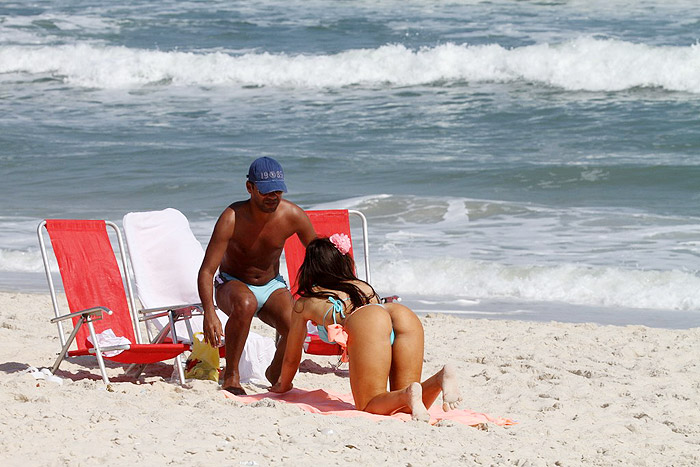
451 395
414 391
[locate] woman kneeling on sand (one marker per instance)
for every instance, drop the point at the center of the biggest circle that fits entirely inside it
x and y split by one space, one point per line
384 342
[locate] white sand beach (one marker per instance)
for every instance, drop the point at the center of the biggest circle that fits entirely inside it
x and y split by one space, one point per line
583 394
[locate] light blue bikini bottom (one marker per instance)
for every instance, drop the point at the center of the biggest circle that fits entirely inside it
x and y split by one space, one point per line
337 307
262 292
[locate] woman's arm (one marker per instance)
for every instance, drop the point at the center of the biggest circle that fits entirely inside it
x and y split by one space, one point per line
292 352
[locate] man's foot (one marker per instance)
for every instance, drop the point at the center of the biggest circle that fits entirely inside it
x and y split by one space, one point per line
451 395
231 382
236 391
269 375
414 391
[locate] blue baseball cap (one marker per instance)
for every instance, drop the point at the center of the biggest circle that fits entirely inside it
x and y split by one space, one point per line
267 175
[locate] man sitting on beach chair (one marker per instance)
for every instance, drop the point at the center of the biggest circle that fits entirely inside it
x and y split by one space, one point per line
245 247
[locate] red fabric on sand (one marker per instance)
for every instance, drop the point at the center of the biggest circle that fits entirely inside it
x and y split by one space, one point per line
328 403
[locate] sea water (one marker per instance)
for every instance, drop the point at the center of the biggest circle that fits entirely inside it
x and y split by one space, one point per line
526 160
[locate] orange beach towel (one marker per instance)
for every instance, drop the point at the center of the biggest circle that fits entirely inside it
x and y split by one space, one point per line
328 403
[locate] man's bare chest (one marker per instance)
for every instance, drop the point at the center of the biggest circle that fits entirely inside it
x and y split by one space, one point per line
261 238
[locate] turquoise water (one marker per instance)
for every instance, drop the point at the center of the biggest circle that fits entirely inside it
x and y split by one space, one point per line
539 159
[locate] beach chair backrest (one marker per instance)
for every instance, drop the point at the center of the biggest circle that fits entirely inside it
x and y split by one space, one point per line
90 275
165 257
326 223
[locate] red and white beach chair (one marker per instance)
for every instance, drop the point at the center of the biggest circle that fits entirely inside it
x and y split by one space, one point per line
97 300
165 257
326 223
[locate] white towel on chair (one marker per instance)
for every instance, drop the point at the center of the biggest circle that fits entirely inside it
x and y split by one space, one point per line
107 338
166 256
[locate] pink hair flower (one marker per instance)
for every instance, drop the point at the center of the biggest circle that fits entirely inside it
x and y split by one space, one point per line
341 242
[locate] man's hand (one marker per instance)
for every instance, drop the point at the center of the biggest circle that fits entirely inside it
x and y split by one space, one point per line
278 388
213 331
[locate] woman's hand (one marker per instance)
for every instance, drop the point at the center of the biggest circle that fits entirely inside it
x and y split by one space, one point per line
278 388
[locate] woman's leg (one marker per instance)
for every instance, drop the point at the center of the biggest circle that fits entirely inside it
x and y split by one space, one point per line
409 400
407 351
407 361
444 381
370 352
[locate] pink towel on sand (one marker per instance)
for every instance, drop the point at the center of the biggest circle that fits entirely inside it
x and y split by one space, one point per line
342 405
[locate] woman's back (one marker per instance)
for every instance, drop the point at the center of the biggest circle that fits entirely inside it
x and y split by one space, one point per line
332 306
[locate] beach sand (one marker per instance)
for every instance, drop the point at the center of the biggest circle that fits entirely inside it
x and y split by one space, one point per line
582 394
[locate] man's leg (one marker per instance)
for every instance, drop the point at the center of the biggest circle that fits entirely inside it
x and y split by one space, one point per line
239 303
277 312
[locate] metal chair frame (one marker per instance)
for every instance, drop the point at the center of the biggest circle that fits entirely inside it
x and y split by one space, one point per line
93 314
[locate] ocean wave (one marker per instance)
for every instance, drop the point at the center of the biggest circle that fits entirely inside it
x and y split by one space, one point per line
595 286
469 281
485 250
583 64
28 260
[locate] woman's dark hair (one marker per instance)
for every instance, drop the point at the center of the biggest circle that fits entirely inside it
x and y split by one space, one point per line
324 267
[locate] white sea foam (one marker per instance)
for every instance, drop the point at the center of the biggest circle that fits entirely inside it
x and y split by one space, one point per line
483 250
595 286
584 63
469 282
20 260
470 249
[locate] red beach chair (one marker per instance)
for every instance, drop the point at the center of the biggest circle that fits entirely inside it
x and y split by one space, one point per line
96 297
326 223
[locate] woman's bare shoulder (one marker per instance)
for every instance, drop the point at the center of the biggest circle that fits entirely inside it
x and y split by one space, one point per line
308 306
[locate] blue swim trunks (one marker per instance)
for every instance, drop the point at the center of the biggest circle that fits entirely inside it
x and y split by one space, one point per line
262 292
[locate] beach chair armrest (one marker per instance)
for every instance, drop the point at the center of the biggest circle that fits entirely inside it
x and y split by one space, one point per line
184 311
98 310
170 307
390 299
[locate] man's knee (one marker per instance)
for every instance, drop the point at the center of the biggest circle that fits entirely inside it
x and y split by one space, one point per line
242 309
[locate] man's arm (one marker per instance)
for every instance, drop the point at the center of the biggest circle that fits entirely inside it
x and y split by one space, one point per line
305 230
223 231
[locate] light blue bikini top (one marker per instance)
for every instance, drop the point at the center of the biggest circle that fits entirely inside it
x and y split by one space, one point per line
336 307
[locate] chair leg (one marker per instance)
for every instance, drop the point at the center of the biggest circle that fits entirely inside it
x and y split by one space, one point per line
338 363
135 369
180 369
98 352
64 349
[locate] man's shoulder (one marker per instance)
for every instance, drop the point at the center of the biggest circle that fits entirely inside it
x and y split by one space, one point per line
231 213
235 208
290 208
297 221
237 205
